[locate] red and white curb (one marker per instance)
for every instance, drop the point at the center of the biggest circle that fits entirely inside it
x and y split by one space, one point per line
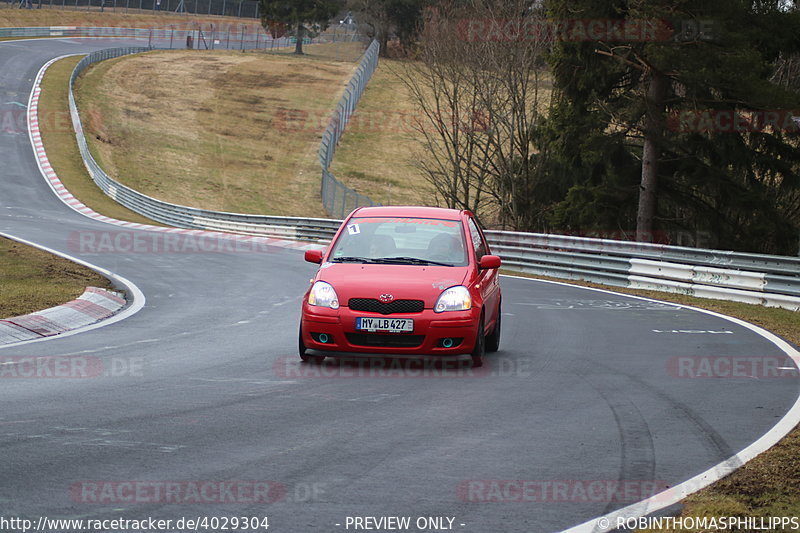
104 308
61 191
92 306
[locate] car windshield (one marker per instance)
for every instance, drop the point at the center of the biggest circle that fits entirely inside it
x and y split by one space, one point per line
413 241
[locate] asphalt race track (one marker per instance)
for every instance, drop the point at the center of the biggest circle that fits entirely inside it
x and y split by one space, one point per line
203 385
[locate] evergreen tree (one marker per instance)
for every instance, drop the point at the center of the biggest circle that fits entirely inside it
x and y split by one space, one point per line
298 14
651 126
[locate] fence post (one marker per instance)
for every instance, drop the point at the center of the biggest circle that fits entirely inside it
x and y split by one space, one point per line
333 188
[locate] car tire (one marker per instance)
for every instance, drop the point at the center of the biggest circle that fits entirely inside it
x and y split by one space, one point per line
493 340
479 349
301 348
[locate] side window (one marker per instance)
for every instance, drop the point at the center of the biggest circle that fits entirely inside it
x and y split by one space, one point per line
477 240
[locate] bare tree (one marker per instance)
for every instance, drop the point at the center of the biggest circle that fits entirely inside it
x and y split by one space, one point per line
478 87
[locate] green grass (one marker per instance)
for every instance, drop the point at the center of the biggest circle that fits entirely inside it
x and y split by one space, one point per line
32 280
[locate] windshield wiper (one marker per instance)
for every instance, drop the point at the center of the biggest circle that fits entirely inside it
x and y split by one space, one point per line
352 259
410 261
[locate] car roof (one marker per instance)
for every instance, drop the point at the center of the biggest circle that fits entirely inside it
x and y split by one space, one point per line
409 211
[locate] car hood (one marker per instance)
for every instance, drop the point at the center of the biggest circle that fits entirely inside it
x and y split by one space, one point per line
403 282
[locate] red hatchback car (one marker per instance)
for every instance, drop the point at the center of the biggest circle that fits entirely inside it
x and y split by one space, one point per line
403 281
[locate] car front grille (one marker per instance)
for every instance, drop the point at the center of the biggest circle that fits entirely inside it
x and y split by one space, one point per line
385 341
372 305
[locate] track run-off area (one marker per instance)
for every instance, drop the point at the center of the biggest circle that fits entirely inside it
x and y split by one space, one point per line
196 404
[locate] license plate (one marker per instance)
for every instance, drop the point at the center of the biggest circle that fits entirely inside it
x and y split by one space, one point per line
392 325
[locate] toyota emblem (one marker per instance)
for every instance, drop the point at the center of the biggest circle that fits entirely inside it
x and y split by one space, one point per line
386 298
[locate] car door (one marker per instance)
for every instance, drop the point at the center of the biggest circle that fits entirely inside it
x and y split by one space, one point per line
489 279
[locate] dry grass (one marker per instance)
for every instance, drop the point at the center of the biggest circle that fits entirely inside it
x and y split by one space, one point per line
62 149
349 52
380 151
32 280
219 130
380 147
11 17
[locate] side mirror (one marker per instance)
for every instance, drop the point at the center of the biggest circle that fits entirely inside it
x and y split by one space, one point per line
488 262
314 256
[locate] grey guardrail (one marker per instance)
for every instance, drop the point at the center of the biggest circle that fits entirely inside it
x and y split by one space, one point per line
224 36
737 276
753 278
307 229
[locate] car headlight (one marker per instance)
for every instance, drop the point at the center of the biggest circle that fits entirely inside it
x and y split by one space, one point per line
454 299
323 295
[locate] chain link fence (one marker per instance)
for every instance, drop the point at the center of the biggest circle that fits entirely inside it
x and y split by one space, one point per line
338 198
191 35
227 8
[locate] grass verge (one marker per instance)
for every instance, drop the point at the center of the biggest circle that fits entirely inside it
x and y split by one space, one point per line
62 149
32 280
768 485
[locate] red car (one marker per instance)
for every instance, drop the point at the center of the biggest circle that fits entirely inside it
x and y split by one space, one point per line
403 281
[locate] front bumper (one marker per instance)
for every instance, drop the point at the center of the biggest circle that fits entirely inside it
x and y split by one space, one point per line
429 337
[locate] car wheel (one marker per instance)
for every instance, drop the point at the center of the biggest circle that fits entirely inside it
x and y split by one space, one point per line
480 345
301 348
316 359
493 340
